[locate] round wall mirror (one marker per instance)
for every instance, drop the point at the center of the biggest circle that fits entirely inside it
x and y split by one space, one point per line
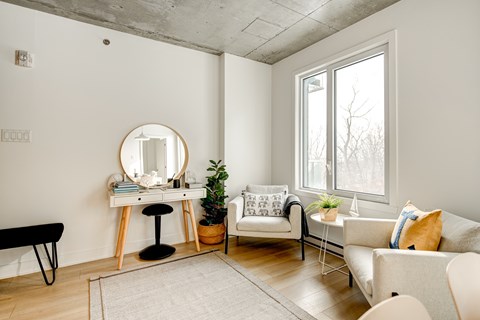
154 148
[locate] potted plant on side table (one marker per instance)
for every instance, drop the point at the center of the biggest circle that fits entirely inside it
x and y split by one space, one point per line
327 205
212 227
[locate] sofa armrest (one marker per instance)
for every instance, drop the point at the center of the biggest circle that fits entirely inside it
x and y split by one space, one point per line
367 232
234 213
421 274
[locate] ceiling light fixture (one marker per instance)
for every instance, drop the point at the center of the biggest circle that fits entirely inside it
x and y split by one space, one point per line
142 137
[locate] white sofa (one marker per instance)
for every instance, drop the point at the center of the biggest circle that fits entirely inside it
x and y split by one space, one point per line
379 271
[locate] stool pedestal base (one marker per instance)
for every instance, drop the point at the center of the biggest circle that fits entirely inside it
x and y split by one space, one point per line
156 252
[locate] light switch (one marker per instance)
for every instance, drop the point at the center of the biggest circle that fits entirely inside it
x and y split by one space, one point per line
12 135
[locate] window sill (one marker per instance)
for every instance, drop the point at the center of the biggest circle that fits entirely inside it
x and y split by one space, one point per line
368 209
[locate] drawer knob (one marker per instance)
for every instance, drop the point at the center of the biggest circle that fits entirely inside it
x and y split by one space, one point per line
139 199
184 195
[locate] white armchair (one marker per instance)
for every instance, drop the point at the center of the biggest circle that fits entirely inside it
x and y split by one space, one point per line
285 227
381 272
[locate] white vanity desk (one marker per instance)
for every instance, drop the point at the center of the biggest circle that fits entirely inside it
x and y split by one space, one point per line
127 200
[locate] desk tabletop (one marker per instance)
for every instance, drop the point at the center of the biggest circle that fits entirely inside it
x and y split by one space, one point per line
337 223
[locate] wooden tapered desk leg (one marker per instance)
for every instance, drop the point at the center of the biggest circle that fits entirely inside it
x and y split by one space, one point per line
120 231
185 221
194 223
122 234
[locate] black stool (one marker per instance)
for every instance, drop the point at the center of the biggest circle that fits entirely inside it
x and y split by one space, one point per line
157 251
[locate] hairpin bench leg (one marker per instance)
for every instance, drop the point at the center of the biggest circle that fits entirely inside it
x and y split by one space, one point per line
53 262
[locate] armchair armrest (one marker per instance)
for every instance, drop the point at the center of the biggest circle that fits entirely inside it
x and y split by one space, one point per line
295 218
373 233
421 274
234 213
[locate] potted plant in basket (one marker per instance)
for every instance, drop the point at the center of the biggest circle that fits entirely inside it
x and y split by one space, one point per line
212 227
327 205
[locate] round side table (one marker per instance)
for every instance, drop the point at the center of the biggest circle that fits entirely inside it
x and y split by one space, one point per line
338 223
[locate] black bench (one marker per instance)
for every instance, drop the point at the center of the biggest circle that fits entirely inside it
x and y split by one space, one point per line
31 236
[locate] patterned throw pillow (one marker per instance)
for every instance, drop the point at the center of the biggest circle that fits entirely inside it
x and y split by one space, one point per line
264 204
417 230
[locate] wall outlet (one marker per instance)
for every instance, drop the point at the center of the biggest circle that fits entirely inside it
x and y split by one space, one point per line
11 135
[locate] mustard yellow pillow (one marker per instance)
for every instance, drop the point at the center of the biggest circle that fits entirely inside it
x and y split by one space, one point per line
417 230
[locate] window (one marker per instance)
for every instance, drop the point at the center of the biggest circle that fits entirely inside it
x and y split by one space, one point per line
344 127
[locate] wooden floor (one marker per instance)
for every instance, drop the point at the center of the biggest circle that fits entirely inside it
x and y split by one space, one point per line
276 262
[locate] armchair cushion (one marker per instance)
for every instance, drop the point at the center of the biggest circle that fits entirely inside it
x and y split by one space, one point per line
417 230
264 204
264 224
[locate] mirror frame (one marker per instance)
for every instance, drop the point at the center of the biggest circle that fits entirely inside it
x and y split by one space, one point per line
184 143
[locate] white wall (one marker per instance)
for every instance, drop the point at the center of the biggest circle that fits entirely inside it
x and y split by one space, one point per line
80 100
438 100
246 99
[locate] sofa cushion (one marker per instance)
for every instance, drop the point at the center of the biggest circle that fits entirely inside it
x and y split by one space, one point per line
417 230
459 234
264 204
359 261
264 224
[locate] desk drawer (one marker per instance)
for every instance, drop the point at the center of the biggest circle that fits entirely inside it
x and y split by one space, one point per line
184 195
140 198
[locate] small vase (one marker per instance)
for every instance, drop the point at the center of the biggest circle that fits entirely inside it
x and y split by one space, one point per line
328 214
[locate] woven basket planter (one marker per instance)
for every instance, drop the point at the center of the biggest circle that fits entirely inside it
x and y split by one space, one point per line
211 234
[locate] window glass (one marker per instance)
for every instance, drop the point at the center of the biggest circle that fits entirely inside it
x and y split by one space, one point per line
360 126
315 133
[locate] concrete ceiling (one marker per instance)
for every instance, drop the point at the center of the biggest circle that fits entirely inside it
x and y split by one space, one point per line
262 30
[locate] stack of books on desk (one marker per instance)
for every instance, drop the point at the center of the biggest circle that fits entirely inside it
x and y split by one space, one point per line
125 187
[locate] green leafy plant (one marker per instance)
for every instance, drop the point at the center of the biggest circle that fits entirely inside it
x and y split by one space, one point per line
324 201
214 202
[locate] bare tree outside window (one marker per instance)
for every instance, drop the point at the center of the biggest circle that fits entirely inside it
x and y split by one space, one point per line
359 126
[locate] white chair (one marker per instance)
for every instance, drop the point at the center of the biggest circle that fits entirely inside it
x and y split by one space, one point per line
285 227
397 308
463 274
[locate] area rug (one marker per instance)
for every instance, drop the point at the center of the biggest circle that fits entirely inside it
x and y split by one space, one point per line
204 286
